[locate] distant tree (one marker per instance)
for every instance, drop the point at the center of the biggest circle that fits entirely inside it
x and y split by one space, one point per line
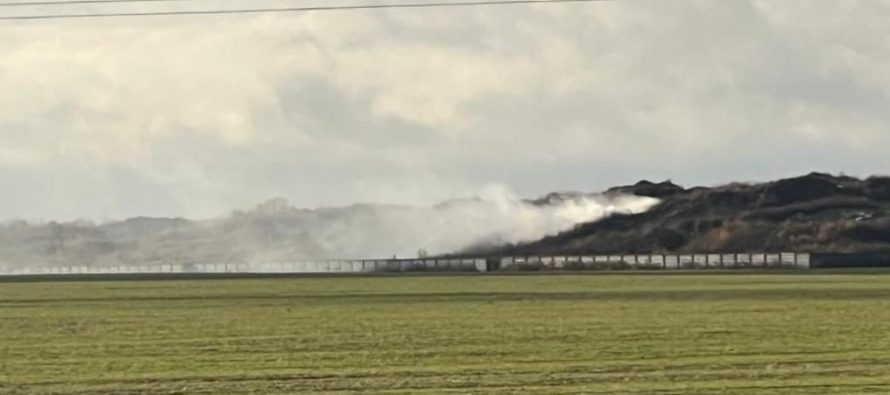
56 239
422 253
273 206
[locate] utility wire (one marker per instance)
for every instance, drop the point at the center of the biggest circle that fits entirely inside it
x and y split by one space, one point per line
77 2
272 10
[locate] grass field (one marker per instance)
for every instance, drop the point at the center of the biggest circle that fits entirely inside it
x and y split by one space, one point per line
556 334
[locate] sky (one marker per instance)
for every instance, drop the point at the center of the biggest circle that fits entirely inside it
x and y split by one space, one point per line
199 115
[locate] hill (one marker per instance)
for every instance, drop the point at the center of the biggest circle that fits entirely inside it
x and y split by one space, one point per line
817 213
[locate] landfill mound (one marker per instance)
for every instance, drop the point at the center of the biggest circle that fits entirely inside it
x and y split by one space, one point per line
815 213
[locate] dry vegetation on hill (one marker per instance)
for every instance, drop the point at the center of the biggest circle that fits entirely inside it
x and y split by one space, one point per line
816 212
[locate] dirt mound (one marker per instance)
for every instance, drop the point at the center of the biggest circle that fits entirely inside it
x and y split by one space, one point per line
816 212
650 189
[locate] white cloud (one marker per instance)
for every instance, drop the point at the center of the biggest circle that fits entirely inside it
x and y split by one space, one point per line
210 113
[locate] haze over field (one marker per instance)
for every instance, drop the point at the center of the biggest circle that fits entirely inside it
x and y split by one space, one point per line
276 231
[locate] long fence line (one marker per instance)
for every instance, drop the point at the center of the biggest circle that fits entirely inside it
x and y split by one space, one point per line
305 266
789 260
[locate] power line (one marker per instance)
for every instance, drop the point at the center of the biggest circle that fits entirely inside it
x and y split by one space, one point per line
272 10
78 2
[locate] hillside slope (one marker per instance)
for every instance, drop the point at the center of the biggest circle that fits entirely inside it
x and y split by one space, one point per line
816 212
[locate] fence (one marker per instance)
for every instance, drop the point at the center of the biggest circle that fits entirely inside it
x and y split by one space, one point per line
791 260
326 266
852 260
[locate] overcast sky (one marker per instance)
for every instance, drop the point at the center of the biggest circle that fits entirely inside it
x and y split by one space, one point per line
198 115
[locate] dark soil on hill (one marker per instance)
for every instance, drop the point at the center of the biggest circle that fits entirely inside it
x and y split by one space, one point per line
816 213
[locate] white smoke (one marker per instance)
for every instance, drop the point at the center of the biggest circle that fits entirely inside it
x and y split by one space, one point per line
495 217
275 231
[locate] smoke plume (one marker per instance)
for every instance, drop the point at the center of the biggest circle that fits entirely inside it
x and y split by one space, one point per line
275 231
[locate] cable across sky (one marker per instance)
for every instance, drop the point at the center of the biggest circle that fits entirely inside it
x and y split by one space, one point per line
79 2
257 10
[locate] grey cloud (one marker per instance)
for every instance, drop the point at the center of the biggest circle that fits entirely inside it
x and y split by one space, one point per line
197 116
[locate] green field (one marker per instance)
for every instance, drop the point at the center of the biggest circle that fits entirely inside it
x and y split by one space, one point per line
530 334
